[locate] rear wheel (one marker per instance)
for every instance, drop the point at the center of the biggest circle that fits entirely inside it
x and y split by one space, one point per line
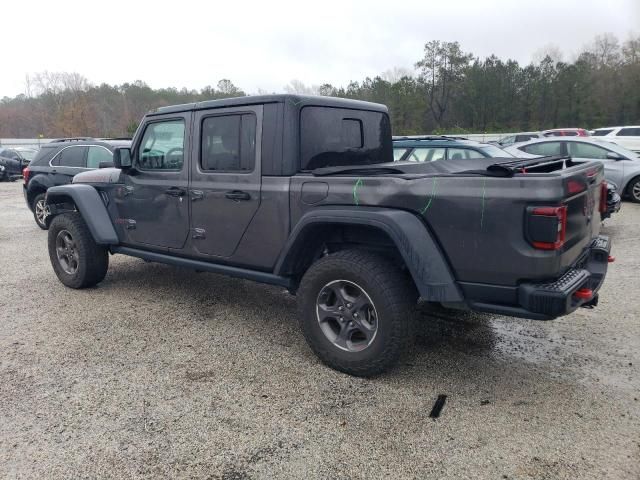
634 190
76 259
40 210
355 310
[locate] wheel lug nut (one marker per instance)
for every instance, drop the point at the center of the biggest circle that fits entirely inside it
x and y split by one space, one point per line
355 315
349 305
341 308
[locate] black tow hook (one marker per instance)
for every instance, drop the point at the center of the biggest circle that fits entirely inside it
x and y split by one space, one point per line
591 303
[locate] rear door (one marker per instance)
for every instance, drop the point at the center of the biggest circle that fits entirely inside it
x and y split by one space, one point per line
226 177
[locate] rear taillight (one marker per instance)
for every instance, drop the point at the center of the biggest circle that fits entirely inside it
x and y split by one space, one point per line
25 174
575 186
604 191
547 227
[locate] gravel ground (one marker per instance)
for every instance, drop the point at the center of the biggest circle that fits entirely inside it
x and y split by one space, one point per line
163 372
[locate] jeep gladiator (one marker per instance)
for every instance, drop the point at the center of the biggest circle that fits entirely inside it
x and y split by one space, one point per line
302 192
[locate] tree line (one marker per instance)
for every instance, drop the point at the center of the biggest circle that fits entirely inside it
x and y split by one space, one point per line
450 91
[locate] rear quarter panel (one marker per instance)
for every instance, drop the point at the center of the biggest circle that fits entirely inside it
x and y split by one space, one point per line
478 221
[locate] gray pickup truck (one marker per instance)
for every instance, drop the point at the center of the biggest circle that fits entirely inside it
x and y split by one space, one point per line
302 192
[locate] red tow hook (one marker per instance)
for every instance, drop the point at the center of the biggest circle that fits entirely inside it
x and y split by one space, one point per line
611 259
583 294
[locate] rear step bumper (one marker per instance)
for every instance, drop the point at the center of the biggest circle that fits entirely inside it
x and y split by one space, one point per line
577 287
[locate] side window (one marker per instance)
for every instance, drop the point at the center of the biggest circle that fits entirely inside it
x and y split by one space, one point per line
602 133
629 132
71 157
95 155
228 143
524 138
507 140
398 153
544 149
463 153
162 146
586 150
426 154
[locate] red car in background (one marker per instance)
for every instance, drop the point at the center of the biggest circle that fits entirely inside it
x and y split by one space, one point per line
566 132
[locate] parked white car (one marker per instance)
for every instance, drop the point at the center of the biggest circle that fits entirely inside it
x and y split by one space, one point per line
621 166
628 137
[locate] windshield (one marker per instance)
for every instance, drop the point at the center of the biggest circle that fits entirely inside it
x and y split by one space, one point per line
495 152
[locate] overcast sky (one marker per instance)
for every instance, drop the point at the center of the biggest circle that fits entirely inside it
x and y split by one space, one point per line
266 44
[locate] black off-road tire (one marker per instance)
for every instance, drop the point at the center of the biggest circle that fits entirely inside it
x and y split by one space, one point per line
39 200
92 259
633 190
392 293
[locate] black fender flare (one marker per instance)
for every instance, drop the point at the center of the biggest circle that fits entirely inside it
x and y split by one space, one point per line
91 207
423 256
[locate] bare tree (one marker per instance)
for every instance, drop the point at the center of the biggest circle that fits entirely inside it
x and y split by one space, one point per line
395 74
297 86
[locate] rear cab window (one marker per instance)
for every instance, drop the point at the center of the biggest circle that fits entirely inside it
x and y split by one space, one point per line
331 137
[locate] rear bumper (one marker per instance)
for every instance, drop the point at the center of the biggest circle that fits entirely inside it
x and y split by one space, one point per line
558 297
26 197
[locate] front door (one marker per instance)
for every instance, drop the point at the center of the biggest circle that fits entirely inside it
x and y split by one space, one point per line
613 169
225 178
153 204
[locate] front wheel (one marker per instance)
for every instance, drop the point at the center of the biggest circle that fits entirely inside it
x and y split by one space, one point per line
634 190
76 258
355 310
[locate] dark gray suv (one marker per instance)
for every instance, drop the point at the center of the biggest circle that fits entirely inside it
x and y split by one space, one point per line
58 161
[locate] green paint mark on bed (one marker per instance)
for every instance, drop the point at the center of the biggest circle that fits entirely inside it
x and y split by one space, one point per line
484 182
356 186
434 191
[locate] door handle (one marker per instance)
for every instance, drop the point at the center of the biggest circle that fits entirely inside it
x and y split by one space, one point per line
237 195
54 171
175 192
196 195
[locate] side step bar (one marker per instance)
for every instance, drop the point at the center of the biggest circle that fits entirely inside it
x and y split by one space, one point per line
256 276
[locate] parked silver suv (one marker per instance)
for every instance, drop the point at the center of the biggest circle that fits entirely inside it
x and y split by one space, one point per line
621 166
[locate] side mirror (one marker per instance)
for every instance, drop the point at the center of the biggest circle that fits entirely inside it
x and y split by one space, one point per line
614 156
105 165
122 157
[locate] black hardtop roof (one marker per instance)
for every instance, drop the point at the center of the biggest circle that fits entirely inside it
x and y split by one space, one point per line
298 101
